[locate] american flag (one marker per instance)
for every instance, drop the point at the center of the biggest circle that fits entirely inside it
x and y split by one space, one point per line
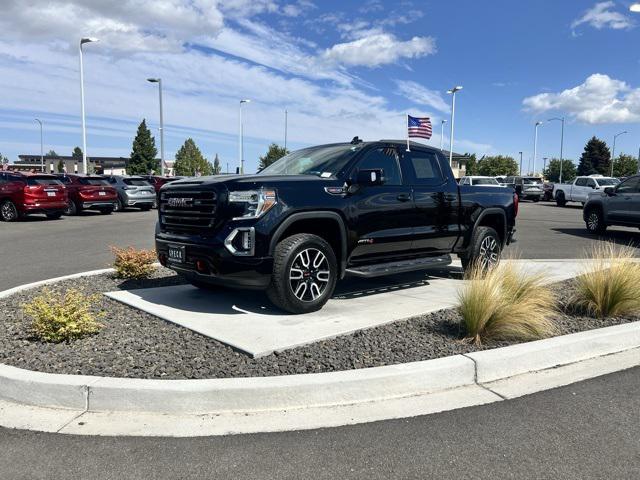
419 127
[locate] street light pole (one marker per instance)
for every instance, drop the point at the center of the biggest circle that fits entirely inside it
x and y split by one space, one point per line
241 139
84 127
544 165
561 120
41 146
285 129
520 163
613 153
159 82
535 146
453 116
442 122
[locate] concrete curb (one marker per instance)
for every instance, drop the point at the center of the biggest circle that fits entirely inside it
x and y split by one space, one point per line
308 394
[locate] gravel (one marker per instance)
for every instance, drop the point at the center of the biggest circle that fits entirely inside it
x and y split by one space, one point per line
135 344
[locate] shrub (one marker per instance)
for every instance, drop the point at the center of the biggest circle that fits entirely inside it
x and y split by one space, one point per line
58 318
609 283
133 264
506 303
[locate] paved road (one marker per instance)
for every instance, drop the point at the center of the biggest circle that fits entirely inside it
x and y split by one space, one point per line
37 249
587 430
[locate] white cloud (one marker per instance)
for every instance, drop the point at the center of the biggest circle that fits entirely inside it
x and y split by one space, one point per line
602 15
600 99
421 95
379 49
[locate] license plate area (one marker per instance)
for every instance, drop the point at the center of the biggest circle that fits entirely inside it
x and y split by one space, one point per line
51 194
176 254
102 194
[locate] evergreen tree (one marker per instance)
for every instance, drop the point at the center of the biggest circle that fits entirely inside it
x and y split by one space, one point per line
60 166
497 165
596 158
274 153
471 164
625 166
143 152
216 166
77 153
52 153
190 162
552 172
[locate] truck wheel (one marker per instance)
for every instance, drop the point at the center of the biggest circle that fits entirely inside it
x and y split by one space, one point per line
304 275
595 221
8 212
485 249
560 200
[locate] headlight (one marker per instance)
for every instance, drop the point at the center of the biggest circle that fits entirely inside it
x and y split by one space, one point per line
257 202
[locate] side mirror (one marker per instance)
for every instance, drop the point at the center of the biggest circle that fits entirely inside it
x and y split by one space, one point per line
374 176
611 191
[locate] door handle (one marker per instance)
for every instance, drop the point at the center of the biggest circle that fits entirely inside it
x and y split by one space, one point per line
404 197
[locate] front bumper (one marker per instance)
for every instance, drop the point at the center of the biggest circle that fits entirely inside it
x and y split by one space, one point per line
222 268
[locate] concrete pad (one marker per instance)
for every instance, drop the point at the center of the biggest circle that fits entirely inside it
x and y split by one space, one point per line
528 383
149 424
41 419
247 321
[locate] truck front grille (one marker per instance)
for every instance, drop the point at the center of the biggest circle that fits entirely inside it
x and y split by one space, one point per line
188 211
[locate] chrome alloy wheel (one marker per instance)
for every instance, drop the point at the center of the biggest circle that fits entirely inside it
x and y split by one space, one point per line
593 221
489 252
9 212
309 274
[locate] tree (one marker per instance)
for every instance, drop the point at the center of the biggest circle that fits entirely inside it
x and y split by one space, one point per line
143 152
3 160
274 153
217 169
625 166
51 153
471 167
190 162
77 153
596 158
552 172
497 165
60 166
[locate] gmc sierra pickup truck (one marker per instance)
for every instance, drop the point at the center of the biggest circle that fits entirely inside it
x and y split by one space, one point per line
319 214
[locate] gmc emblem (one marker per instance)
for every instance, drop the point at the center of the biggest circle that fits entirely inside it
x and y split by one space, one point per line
180 202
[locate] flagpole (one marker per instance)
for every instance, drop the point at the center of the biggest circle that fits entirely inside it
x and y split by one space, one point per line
408 150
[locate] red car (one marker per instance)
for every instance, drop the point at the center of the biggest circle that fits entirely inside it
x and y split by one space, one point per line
23 194
88 192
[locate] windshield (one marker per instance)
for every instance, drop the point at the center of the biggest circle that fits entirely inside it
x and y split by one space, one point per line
532 181
33 181
321 161
94 181
485 181
608 181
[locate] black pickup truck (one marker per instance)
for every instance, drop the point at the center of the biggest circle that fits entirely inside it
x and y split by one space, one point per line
320 214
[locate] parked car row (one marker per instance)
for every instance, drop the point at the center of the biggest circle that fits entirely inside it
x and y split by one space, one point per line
53 195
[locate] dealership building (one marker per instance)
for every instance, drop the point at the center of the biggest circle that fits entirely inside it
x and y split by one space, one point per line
69 164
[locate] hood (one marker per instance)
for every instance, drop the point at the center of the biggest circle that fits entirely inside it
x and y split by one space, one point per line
246 181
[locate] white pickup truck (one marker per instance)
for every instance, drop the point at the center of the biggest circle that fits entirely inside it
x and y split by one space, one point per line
579 190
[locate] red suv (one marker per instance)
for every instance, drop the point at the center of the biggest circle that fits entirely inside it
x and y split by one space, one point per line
88 192
157 181
23 194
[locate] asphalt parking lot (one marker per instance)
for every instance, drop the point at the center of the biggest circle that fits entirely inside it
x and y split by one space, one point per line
585 430
37 249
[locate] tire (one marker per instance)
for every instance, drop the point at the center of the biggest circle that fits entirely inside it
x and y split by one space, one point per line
54 216
72 209
536 199
595 221
485 247
118 207
106 211
560 200
146 208
313 262
8 212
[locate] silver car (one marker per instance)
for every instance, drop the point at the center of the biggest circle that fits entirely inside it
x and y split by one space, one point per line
132 192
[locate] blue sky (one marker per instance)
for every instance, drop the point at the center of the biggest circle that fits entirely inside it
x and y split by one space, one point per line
340 69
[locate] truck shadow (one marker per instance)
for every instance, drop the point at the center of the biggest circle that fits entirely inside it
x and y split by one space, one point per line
619 237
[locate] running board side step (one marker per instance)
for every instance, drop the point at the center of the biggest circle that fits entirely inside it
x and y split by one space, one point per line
390 268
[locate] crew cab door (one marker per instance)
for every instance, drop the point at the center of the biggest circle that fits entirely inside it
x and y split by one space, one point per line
579 190
383 214
436 199
624 206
